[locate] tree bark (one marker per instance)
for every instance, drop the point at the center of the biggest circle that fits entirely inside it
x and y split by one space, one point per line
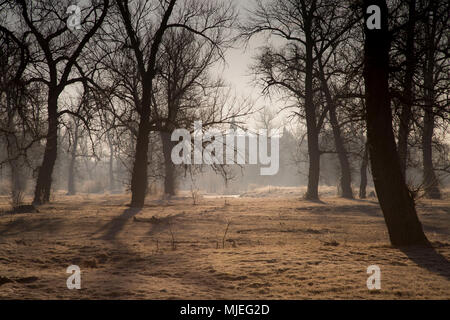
312 193
18 181
363 173
169 168
71 190
14 160
111 163
346 175
44 180
430 181
139 176
395 199
408 98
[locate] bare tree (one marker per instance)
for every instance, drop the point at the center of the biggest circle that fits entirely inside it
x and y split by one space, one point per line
55 59
363 173
435 72
331 101
20 119
395 199
308 38
76 129
184 75
408 85
134 47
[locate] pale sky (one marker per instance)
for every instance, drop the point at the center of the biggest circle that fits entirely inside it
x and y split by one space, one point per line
237 72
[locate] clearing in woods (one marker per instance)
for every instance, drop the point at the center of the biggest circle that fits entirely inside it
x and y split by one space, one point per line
276 246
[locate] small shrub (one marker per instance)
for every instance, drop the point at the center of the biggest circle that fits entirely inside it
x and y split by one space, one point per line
195 194
17 198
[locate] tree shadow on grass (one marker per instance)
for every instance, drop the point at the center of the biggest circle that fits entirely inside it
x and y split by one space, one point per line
318 201
429 259
344 210
436 229
22 225
112 228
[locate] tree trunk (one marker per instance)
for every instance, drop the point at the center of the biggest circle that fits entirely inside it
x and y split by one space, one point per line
44 180
312 192
18 181
395 199
71 190
13 157
363 172
169 168
406 112
111 163
346 175
139 176
430 181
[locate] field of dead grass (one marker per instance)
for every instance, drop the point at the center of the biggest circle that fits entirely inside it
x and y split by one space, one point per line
279 247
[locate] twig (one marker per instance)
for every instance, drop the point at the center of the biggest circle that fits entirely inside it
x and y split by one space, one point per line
174 247
225 234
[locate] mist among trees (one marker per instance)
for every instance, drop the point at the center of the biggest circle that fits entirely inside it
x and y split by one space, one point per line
359 98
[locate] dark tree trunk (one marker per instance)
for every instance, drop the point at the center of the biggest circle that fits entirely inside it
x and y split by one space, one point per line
17 176
139 175
111 164
395 199
44 180
18 182
430 181
71 190
346 175
363 173
169 168
312 193
406 112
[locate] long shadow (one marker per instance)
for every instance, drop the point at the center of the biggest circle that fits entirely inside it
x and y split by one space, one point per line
345 210
22 225
434 207
429 228
313 200
116 225
367 200
429 259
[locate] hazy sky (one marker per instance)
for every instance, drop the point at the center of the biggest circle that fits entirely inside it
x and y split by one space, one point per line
237 72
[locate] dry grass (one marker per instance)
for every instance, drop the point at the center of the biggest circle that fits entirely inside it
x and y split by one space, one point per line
275 248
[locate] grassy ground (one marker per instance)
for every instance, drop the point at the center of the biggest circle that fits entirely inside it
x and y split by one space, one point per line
275 247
